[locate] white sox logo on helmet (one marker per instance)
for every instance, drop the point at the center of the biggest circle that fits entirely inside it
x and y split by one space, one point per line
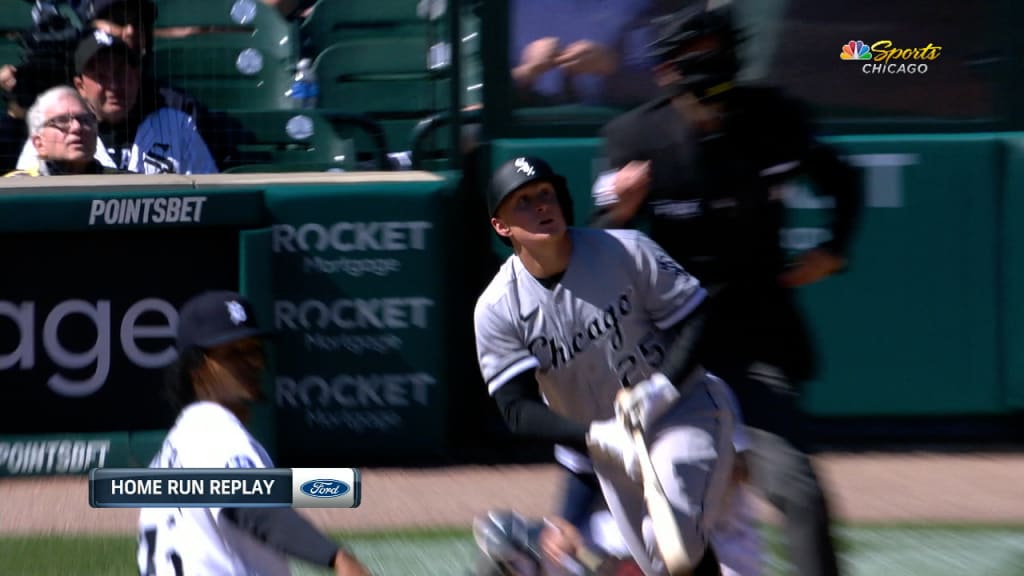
523 165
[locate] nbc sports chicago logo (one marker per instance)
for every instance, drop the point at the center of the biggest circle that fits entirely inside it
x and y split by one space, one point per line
883 57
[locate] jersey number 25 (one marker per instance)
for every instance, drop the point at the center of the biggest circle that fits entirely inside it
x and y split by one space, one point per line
648 349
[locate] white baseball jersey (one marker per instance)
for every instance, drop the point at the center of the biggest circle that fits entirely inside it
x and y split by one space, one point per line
183 541
166 142
603 326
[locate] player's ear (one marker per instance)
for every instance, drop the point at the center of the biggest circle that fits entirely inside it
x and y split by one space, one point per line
501 227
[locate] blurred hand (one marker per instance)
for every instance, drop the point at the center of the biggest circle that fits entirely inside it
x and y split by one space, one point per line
812 266
587 57
646 402
540 56
559 539
346 565
609 440
8 78
632 182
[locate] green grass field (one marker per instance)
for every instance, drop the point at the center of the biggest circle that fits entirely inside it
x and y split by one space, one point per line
866 551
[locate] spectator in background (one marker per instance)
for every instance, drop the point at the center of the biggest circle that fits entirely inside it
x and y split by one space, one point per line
583 51
130 20
63 133
137 134
133 22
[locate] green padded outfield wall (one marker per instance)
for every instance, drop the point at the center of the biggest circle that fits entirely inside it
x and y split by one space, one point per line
361 279
910 329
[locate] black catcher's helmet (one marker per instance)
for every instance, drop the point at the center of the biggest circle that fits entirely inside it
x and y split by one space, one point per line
709 73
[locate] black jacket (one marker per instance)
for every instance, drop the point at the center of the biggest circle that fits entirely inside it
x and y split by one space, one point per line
713 205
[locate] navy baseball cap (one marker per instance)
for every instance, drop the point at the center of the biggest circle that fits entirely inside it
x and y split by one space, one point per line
215 318
97 41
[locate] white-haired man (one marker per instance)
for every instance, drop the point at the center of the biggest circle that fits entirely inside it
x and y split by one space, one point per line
62 131
135 134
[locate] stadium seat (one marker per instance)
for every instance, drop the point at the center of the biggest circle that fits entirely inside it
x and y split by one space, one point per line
227 15
305 137
332 21
238 55
377 56
348 84
386 98
17 18
285 136
225 71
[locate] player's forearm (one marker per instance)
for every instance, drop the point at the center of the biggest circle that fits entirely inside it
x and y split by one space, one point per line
618 215
681 356
525 414
286 531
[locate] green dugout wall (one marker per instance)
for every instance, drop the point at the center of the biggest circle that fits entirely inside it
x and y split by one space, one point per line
354 272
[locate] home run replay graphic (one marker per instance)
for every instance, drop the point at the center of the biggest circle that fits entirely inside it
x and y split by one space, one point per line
224 487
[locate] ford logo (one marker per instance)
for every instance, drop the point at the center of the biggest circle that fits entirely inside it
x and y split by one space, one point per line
324 488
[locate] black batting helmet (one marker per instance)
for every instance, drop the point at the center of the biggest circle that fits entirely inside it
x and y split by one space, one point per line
519 172
708 74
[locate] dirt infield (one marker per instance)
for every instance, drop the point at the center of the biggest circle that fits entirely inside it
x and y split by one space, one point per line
918 487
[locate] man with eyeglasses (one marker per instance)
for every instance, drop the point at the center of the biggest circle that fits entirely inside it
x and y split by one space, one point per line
62 131
136 134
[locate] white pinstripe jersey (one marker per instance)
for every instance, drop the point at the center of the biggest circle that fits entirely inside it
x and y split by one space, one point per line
604 325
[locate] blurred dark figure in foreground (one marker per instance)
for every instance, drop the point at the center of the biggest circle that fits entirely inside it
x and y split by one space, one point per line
705 164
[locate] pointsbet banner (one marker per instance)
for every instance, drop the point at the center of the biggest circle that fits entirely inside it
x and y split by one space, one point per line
359 285
76 454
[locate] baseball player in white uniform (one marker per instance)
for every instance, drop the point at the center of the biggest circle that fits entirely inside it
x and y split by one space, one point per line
216 377
580 325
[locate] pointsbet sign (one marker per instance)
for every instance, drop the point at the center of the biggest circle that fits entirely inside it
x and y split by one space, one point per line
170 210
52 456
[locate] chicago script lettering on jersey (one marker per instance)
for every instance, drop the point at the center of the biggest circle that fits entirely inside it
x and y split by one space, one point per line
556 353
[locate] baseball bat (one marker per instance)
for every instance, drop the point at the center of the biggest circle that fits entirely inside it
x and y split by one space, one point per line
667 536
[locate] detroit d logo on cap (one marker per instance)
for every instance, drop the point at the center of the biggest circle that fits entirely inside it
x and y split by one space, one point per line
237 312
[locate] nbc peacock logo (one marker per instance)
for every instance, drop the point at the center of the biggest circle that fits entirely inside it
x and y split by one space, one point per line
855 50
884 57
